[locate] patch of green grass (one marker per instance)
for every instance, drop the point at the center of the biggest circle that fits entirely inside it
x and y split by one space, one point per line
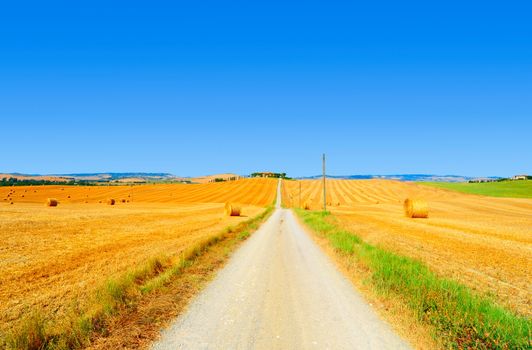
458 316
516 189
76 329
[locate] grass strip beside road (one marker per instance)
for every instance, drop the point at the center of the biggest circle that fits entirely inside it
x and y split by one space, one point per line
458 317
122 295
508 189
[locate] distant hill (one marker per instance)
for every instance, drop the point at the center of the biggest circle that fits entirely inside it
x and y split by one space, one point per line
212 178
97 177
404 177
139 177
132 177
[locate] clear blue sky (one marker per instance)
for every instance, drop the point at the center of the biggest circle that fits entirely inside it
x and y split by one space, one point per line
199 87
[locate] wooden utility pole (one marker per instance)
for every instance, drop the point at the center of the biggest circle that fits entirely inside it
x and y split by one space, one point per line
324 189
299 194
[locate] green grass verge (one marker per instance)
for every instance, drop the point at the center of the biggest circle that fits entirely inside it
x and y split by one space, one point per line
459 317
76 329
516 189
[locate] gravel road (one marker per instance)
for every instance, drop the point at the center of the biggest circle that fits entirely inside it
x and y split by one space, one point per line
279 291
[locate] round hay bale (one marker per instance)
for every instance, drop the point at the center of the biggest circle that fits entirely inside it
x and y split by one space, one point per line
232 209
51 202
416 208
11 203
111 201
306 206
123 200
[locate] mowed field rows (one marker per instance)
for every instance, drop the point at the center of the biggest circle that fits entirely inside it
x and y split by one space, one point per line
483 242
259 192
50 257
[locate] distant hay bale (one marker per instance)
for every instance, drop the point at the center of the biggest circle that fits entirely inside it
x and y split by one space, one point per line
232 209
123 200
68 196
51 202
111 201
10 202
416 208
306 206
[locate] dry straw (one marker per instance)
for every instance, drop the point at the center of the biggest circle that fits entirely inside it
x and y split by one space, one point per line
51 202
416 208
232 209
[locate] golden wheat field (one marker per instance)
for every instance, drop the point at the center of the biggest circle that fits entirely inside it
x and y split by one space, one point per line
484 242
51 256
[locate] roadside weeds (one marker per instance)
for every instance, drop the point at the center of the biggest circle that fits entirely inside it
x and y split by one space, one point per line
158 279
456 316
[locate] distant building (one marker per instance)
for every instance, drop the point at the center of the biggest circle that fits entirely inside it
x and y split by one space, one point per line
264 174
269 174
519 177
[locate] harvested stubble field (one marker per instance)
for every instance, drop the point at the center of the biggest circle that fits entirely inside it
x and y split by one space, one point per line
483 242
51 257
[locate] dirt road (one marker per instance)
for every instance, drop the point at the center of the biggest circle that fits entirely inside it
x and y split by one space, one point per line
279 291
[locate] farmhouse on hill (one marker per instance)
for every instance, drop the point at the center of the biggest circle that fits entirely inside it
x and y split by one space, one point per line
269 174
519 177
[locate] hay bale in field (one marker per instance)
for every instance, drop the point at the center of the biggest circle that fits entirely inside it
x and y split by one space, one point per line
123 200
306 206
416 208
51 202
111 201
232 209
68 196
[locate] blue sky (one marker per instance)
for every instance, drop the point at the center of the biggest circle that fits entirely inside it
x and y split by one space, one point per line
200 87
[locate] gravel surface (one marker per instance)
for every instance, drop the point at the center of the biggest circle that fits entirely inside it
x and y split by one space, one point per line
279 291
